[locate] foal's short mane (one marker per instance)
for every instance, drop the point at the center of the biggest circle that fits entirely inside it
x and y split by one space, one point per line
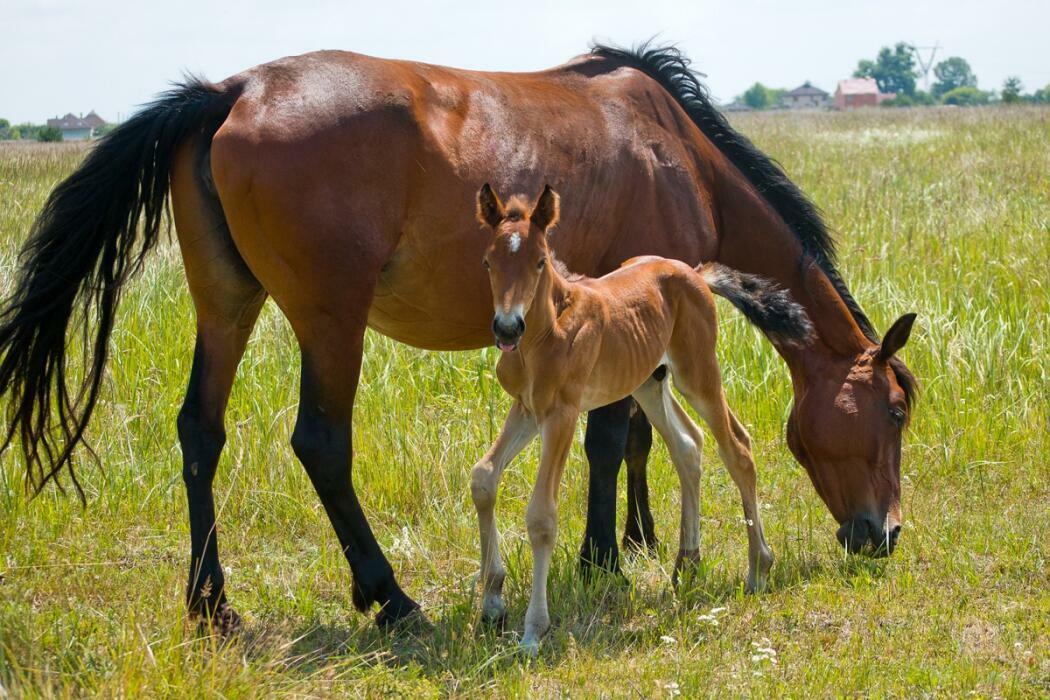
670 67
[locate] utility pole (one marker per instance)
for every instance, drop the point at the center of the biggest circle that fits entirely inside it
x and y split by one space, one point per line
925 64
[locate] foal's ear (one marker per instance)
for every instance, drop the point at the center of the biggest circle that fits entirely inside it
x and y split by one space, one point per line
896 336
490 209
548 208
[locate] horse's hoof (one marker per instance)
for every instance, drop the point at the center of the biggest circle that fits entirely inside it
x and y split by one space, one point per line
223 622
404 614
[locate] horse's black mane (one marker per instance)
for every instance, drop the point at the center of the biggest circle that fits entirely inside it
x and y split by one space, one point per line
670 67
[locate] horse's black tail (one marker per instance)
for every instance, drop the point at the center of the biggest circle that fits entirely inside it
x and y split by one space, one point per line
90 238
767 306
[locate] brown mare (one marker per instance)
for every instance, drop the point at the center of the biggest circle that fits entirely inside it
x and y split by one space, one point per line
573 343
332 183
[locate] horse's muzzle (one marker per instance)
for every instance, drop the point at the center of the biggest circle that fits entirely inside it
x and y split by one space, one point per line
508 329
867 534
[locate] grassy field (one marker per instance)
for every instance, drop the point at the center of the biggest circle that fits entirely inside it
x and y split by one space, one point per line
943 212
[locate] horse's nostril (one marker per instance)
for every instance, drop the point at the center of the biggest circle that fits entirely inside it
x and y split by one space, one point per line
895 534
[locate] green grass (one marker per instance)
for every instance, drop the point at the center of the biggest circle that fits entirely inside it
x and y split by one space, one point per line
943 212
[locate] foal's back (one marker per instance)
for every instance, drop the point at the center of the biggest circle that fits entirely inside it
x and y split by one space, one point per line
652 310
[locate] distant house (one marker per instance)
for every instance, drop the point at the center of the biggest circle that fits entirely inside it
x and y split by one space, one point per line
76 128
737 106
805 96
853 93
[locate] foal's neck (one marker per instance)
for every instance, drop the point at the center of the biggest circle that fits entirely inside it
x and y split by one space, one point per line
551 296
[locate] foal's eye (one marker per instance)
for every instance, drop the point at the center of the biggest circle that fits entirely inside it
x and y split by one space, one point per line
897 416
541 263
485 264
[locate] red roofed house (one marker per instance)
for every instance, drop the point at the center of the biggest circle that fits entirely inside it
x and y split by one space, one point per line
76 128
859 92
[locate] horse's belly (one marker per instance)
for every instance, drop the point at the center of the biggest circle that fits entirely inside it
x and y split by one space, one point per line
421 303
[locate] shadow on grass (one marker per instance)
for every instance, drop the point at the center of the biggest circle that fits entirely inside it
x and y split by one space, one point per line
606 614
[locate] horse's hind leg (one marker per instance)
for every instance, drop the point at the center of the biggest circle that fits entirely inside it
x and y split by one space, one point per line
638 532
697 376
684 442
227 299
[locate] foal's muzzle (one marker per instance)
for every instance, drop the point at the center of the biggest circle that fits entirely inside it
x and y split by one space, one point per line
865 533
508 329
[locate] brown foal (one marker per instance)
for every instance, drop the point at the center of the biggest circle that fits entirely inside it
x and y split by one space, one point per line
572 343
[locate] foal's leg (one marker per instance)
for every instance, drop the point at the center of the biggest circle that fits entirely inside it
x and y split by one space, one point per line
518 431
701 384
684 442
604 443
541 517
639 532
331 350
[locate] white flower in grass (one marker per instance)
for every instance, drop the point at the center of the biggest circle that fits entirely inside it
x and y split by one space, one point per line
763 651
671 687
667 639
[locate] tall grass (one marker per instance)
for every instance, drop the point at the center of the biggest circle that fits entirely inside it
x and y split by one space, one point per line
942 212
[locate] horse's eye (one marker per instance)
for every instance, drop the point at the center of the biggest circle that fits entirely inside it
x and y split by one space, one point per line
541 263
897 416
485 264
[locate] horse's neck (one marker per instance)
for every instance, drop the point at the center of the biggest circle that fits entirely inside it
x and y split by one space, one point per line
765 246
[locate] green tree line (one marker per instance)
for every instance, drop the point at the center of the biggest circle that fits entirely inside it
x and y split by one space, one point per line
894 70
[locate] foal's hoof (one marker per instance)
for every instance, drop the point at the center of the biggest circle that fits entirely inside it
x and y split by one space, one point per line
687 559
223 621
529 648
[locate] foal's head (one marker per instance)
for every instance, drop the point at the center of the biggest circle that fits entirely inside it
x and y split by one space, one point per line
517 257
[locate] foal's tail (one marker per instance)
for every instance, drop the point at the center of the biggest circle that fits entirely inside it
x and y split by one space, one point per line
90 238
766 305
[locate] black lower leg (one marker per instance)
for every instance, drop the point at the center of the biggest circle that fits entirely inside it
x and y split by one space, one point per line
322 444
201 437
604 445
638 532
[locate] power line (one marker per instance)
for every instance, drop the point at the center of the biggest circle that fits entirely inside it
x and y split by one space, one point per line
925 63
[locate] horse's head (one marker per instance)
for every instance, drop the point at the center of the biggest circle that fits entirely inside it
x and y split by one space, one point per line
516 257
846 430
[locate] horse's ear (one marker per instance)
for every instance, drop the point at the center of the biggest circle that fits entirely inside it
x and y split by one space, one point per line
490 210
547 210
896 336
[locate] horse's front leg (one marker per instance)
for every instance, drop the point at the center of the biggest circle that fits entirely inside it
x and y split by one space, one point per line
541 517
331 350
604 444
518 431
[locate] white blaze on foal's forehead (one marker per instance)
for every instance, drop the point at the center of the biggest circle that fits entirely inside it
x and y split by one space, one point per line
514 242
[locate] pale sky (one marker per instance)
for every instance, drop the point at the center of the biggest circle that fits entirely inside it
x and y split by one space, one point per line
59 56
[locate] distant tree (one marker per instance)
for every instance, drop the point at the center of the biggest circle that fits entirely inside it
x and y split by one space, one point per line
1012 90
965 97
4 124
49 134
104 129
757 96
893 69
1042 95
14 134
952 73
919 99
